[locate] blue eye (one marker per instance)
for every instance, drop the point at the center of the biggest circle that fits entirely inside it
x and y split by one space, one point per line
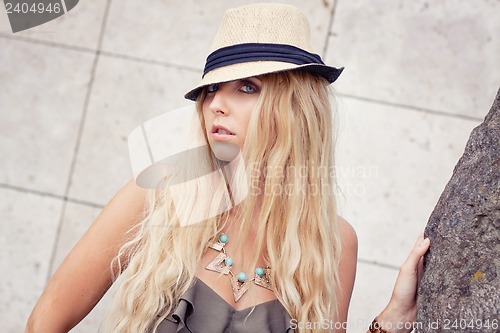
212 88
248 89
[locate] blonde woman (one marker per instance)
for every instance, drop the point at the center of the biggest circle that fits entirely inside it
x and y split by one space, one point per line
276 257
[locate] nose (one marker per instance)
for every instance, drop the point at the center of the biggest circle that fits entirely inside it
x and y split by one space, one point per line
218 102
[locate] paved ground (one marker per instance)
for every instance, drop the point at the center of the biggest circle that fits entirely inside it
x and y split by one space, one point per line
419 76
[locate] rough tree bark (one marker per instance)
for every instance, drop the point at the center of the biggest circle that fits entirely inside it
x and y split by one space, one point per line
459 291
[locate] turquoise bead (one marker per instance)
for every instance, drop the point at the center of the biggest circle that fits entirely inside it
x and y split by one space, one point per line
259 271
242 277
223 238
229 261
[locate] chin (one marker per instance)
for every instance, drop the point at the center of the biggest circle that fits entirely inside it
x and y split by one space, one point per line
225 151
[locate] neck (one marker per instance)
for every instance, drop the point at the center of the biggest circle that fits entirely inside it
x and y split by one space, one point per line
235 173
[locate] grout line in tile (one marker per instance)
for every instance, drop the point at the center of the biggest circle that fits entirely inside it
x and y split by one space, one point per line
148 61
47 43
51 195
30 191
330 24
412 108
78 140
105 53
50 268
378 264
85 203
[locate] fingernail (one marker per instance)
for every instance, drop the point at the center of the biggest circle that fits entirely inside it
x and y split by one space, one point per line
425 242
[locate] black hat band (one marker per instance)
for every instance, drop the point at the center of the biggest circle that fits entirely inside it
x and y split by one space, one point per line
248 52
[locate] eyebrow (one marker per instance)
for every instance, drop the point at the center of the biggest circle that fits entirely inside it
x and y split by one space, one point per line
255 81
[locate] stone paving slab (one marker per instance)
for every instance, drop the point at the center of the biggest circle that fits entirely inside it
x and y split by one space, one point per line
41 101
125 94
28 231
180 33
437 55
393 164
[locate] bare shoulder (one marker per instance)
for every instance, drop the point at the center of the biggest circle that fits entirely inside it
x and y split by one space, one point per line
346 269
119 215
347 234
130 193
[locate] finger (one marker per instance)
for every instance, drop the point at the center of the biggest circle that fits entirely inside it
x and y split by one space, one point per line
420 269
419 249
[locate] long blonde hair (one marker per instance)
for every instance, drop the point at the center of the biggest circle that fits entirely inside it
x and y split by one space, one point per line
289 150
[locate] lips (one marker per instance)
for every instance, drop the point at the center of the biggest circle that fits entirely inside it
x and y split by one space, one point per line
218 129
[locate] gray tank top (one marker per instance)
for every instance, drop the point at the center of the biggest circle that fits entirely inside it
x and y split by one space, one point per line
202 310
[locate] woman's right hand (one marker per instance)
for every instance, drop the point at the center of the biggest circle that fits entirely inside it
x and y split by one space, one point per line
85 274
401 312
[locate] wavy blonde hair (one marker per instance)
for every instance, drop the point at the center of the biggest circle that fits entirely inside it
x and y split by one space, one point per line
290 147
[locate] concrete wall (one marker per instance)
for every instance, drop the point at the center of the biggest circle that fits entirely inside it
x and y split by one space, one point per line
419 76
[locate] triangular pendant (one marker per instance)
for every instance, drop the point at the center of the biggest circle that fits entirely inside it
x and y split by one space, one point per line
239 288
217 246
218 265
264 280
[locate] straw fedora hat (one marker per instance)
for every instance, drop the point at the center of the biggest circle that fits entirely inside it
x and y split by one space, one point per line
259 39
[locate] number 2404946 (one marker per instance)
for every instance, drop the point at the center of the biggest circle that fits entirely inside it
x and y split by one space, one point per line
25 8
463 324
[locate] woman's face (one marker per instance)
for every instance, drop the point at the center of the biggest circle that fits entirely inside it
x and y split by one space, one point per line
227 109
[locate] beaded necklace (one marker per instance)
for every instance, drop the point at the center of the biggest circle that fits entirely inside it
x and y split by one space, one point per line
239 283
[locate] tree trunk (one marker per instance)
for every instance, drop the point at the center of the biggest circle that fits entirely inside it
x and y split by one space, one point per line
459 291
